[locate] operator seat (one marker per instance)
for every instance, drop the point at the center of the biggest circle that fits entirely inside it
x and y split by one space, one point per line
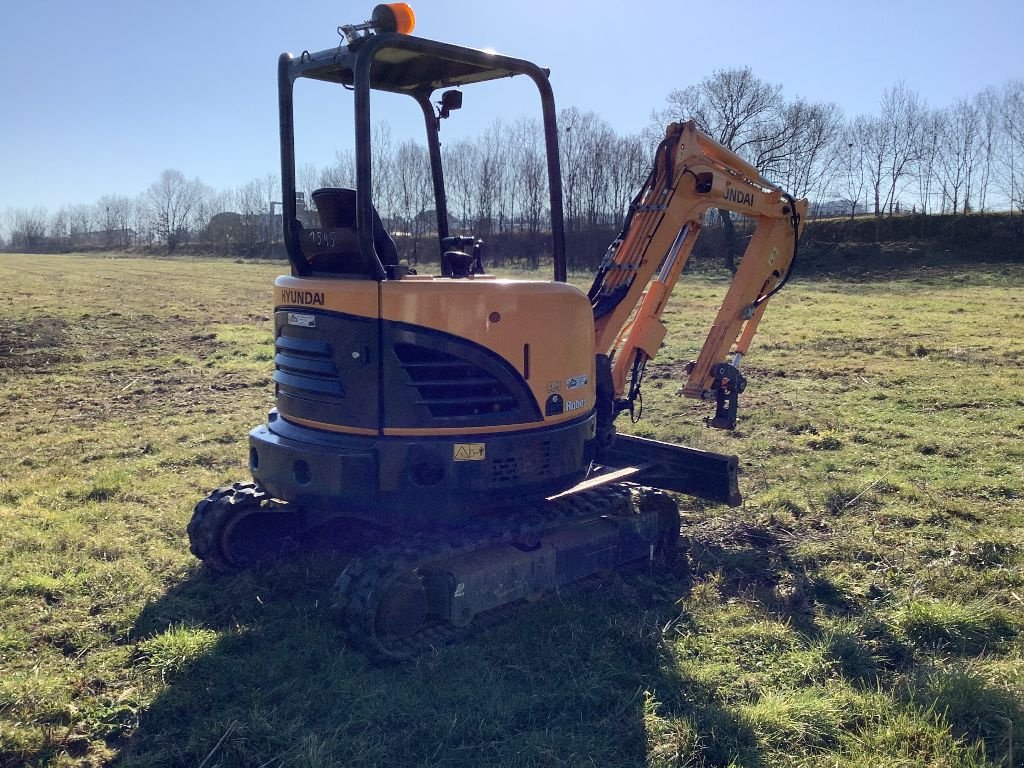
337 209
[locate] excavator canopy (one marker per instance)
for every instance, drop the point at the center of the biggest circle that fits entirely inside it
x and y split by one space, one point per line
417 67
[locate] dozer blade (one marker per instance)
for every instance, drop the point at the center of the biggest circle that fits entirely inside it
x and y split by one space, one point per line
703 474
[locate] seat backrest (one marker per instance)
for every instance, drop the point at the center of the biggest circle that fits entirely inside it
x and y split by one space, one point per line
337 209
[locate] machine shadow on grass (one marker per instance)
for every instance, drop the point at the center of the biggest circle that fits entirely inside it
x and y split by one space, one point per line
589 675
756 562
582 676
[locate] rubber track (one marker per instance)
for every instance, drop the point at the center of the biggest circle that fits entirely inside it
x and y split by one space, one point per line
212 514
366 580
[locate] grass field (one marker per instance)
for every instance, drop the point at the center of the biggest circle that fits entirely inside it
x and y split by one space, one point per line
864 607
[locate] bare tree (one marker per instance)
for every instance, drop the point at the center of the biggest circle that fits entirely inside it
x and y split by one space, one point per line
986 107
531 173
958 149
854 166
628 165
502 140
575 142
81 222
489 184
600 145
307 179
171 202
213 203
27 227
114 213
901 116
461 162
813 155
741 112
59 225
248 201
140 220
385 191
963 158
926 156
1012 155
877 149
732 106
270 186
342 173
586 144
414 193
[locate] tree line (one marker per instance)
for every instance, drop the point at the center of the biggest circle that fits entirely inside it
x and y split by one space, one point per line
907 158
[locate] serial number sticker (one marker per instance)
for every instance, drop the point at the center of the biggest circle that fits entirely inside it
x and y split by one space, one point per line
469 452
576 382
301 319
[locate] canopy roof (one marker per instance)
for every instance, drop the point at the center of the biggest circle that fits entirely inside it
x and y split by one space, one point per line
407 64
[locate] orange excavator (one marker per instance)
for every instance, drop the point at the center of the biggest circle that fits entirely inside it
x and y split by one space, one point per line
459 429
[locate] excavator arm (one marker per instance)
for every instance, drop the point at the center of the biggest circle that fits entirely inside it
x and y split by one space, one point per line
691 174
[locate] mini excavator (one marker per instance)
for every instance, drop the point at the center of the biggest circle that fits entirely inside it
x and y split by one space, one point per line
464 424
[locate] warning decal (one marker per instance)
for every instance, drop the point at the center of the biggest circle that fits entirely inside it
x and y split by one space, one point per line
469 452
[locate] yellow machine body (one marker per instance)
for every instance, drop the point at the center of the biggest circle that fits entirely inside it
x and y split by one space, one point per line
544 330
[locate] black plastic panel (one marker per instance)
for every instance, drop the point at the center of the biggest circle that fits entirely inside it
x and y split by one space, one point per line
327 372
435 379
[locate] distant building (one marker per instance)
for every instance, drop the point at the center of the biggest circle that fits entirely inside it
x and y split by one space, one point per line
255 232
824 209
104 238
225 228
306 215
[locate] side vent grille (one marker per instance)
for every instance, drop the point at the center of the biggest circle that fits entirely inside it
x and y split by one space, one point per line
451 387
533 462
306 368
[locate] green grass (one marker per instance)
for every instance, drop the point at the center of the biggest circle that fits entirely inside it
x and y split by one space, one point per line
864 607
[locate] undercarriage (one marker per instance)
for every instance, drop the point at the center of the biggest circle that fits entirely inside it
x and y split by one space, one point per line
412 591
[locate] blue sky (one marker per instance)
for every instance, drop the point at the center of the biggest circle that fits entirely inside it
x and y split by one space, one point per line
98 98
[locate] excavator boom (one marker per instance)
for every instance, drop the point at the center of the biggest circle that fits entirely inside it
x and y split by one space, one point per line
691 174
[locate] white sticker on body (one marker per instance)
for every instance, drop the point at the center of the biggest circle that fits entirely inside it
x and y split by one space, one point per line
469 452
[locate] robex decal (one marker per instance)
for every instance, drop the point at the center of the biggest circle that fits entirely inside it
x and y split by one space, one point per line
307 298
